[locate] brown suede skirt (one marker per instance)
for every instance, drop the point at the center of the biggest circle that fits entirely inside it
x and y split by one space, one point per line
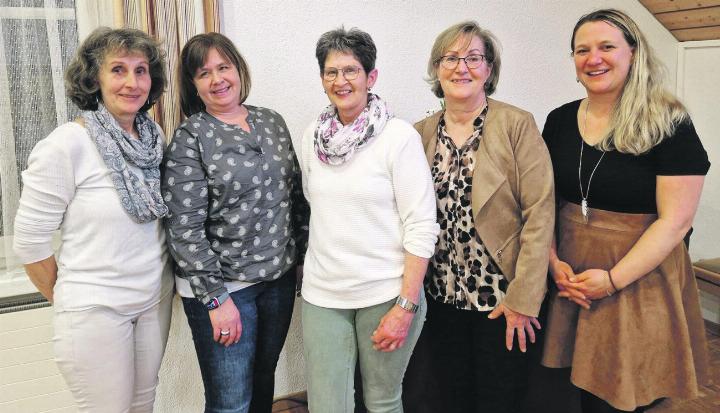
645 342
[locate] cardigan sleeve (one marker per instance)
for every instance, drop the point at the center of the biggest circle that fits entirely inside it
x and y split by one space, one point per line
48 189
537 207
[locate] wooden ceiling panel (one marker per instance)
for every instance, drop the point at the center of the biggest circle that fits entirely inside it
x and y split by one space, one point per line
700 33
664 6
687 19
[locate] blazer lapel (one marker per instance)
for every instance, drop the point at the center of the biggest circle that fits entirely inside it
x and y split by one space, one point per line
487 178
429 136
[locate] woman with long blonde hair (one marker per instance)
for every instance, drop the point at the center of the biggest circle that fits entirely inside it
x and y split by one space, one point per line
629 169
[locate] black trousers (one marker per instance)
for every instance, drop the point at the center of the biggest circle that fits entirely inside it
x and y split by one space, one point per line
461 364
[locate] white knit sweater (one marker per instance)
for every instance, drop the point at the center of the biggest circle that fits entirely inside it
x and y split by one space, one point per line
365 214
105 259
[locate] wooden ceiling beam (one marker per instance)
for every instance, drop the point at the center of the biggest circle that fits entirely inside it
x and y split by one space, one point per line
700 33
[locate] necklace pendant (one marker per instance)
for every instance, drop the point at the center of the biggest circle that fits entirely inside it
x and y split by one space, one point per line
584 209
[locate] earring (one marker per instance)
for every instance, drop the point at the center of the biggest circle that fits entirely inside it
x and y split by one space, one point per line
577 79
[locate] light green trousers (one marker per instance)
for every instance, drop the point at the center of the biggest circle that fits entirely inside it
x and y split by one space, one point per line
335 339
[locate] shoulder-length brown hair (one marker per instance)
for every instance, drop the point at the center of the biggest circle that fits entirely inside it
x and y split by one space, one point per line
193 57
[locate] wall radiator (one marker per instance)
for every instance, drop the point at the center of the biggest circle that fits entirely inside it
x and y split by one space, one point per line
29 379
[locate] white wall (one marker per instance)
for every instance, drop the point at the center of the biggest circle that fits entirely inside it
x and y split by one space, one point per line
277 38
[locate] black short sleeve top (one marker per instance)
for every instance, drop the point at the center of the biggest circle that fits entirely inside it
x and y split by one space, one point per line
622 182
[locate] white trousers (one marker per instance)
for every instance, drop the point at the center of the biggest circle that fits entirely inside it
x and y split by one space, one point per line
111 361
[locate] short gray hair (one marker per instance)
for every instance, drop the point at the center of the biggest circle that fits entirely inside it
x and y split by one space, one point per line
464 30
81 76
354 41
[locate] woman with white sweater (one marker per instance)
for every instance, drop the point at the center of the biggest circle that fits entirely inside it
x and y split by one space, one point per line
372 229
97 179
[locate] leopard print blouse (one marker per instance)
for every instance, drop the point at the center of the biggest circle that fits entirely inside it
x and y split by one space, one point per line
462 272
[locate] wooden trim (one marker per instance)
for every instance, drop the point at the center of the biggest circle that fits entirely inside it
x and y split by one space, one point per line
290 403
708 287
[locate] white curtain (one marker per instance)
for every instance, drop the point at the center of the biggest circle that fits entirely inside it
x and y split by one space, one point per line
37 40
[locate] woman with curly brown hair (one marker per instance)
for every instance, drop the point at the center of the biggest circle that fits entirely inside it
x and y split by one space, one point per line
97 180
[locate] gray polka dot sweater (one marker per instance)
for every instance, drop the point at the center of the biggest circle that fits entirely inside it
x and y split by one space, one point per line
237 211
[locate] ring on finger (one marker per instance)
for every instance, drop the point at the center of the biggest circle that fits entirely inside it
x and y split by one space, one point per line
224 333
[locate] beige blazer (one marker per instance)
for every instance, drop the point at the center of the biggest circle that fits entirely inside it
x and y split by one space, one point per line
513 199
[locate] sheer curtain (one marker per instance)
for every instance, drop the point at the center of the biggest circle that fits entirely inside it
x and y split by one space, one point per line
37 40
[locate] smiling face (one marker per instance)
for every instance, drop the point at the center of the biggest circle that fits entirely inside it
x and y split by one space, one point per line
463 84
602 58
349 96
125 82
218 84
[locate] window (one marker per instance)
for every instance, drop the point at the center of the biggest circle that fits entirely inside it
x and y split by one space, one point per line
37 40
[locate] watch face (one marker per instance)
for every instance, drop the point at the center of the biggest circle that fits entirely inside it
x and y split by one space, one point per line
213 304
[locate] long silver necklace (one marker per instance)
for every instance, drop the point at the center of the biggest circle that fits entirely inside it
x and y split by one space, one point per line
584 195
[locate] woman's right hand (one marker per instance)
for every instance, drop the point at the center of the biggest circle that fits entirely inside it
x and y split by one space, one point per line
226 318
561 272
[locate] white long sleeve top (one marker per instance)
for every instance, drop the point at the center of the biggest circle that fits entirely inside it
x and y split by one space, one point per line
105 258
365 214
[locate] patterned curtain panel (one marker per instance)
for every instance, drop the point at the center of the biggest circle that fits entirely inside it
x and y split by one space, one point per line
173 22
37 40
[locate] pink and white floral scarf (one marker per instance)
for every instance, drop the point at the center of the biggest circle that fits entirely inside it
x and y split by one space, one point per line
336 143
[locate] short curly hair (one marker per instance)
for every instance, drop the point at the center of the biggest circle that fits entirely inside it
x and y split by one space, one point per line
464 31
81 76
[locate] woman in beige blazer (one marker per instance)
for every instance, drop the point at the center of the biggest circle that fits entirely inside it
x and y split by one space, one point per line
494 186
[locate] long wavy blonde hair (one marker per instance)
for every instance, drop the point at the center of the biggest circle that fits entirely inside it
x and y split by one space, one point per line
645 113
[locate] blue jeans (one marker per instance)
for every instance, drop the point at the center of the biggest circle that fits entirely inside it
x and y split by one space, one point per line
241 378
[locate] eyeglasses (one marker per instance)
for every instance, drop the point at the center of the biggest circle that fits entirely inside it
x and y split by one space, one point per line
472 61
350 73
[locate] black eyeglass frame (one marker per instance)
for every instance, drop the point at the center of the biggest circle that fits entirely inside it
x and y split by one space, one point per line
443 60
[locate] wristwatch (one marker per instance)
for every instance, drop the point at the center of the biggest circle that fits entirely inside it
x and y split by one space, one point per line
215 302
406 304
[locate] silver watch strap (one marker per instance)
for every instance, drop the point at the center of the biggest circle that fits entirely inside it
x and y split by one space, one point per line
406 304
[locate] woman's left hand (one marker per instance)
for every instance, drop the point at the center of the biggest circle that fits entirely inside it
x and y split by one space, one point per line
393 329
593 283
516 321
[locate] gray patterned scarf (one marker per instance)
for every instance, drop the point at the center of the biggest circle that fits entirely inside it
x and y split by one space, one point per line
141 199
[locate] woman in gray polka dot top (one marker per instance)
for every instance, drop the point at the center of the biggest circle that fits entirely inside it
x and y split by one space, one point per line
237 220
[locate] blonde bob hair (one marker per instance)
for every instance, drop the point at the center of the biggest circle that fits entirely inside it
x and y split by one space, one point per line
645 112
464 30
